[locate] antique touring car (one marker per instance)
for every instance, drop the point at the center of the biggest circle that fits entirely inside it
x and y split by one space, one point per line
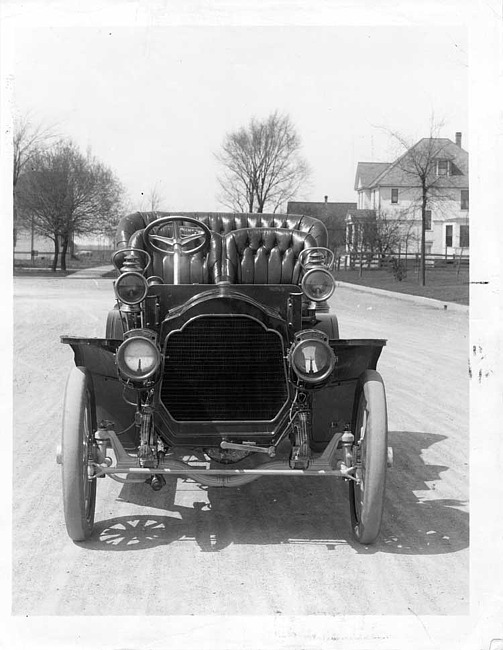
222 363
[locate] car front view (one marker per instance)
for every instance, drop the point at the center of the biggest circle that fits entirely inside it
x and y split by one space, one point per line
222 362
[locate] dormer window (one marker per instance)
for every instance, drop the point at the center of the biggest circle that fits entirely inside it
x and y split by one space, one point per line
443 167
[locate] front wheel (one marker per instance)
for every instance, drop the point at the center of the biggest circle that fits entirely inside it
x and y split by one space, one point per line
77 453
115 325
366 497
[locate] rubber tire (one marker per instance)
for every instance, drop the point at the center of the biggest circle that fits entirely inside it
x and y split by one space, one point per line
367 504
115 327
79 424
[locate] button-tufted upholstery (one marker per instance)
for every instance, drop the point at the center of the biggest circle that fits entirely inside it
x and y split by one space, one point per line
264 255
271 257
224 222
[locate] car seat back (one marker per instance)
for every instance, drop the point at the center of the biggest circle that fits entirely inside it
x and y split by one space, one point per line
224 222
264 255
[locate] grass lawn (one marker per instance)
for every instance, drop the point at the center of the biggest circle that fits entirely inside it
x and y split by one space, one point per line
442 283
42 266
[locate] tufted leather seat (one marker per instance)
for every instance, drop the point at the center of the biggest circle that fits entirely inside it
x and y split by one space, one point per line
274 256
264 255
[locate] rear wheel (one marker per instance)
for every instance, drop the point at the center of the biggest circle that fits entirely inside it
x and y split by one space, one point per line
366 498
77 450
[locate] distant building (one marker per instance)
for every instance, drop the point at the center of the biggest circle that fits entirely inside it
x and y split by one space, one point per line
43 247
332 214
392 190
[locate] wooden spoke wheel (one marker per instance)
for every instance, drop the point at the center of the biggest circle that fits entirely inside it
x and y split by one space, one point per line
77 450
366 497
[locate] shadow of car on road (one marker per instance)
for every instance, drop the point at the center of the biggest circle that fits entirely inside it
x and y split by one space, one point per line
420 524
289 510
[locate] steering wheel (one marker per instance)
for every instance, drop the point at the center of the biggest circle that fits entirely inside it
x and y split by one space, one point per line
178 244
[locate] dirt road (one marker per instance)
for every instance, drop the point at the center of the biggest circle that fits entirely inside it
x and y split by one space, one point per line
275 546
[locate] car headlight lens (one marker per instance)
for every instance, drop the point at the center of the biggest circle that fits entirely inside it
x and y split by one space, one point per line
318 284
312 360
131 287
138 358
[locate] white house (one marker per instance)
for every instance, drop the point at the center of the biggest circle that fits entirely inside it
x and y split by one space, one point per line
393 190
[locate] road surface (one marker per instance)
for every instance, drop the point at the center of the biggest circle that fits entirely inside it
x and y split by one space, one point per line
274 546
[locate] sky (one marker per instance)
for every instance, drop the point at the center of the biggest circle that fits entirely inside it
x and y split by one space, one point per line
155 102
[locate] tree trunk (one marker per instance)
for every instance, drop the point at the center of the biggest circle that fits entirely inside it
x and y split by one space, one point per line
56 253
14 220
63 252
423 240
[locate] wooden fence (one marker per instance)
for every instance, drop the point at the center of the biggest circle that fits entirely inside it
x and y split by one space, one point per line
409 261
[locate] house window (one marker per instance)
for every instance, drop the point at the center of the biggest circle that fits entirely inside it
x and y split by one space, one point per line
442 167
427 219
394 195
464 236
448 236
465 200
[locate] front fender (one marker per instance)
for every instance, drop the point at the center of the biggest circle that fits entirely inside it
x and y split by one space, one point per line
97 355
328 324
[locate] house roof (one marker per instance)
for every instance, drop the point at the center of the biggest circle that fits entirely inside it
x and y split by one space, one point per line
323 210
361 215
332 214
401 172
367 172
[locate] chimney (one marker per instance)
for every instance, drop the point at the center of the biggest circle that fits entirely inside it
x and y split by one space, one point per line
458 138
326 198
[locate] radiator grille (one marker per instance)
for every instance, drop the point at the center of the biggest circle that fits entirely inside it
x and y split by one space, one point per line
221 368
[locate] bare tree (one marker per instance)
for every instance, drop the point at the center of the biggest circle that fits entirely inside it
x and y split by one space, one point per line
66 193
262 165
359 240
156 199
429 187
153 200
380 236
29 140
390 235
